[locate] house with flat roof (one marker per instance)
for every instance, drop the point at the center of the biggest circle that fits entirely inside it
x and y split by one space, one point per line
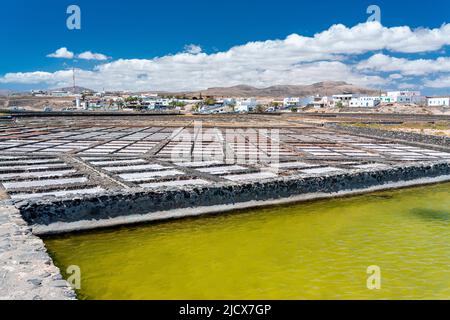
321 102
364 102
245 105
443 101
406 96
344 98
290 102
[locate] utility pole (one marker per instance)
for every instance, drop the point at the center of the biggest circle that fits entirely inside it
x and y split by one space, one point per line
73 77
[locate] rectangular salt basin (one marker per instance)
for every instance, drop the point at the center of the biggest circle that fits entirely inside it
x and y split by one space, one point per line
37 174
22 149
174 183
360 154
103 149
149 175
321 170
251 176
407 147
197 164
374 146
38 183
136 167
108 146
58 150
292 165
371 166
133 151
222 169
137 148
56 193
47 145
385 149
346 150
9 158
113 162
312 149
35 166
410 154
410 159
28 161
325 154
169 148
438 154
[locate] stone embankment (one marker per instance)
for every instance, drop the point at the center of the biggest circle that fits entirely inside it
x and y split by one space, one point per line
437 141
94 208
26 270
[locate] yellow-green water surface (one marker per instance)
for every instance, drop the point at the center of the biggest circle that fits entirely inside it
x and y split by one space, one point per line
316 250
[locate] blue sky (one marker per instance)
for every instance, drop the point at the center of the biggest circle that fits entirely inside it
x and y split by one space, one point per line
147 44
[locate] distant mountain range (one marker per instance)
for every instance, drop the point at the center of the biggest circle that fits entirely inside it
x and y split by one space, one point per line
320 88
278 91
5 92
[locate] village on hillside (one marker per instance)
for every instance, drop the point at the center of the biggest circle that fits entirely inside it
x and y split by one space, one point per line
81 99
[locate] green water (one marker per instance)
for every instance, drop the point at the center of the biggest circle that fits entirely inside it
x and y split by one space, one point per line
317 250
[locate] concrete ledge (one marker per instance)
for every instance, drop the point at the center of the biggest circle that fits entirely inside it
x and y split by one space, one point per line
96 210
26 270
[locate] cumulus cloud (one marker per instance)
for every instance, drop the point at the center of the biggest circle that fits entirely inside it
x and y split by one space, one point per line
440 82
61 53
88 55
408 86
179 72
192 48
328 55
381 62
395 76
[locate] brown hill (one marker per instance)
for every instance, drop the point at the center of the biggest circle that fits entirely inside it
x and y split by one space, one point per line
320 88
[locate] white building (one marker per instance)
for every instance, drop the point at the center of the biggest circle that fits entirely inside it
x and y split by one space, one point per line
438 101
343 98
292 102
227 101
59 93
364 102
405 96
387 99
321 102
245 105
39 93
78 102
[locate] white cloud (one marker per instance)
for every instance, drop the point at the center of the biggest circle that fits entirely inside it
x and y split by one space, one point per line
297 59
180 73
61 53
373 36
381 62
192 49
407 86
88 55
441 82
395 76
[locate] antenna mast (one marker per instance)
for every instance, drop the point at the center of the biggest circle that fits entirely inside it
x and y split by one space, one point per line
73 77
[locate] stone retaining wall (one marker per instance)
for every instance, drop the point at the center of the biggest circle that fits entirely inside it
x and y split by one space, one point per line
389 134
26 270
136 202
